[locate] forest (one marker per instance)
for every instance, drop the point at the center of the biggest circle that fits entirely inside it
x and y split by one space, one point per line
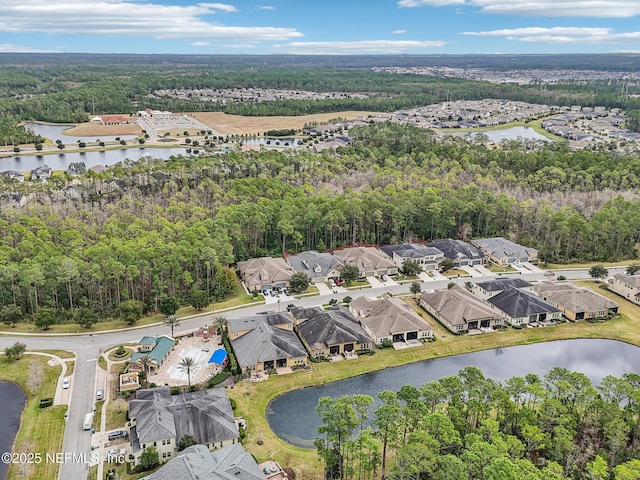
468 426
172 228
35 87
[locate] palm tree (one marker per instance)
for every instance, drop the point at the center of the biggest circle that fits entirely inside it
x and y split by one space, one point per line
172 321
221 325
145 361
187 364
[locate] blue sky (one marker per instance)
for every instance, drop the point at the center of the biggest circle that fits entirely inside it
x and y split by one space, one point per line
326 27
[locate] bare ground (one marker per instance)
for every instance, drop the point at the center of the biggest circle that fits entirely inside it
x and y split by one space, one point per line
238 125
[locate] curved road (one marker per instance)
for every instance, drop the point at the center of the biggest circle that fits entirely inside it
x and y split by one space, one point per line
88 348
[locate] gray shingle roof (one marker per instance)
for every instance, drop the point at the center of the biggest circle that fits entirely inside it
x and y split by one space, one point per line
500 284
632 280
329 327
501 247
365 258
253 321
411 250
207 415
455 249
264 270
519 303
457 306
309 262
265 342
574 298
198 463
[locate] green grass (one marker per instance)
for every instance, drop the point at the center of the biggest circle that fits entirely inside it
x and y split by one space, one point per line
492 267
41 430
455 272
97 416
114 358
253 398
102 363
116 414
622 263
70 368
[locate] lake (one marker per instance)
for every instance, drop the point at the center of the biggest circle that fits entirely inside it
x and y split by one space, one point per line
12 399
54 132
292 415
513 133
60 161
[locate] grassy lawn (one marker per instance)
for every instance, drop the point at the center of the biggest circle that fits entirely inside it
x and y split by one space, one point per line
114 358
455 272
97 416
492 267
252 398
70 368
41 430
60 353
116 414
558 266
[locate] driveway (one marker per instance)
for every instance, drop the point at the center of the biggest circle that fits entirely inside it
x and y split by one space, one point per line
471 271
323 289
424 276
374 282
533 268
483 270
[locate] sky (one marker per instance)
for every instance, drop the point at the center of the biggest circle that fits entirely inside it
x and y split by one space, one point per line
343 27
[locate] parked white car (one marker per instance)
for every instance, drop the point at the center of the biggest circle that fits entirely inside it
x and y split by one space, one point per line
66 383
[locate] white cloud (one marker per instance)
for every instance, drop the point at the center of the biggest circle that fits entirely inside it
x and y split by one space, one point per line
266 7
354 47
10 48
542 8
128 18
200 44
583 35
240 45
399 32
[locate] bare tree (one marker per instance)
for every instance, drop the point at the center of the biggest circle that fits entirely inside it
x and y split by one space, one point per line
36 374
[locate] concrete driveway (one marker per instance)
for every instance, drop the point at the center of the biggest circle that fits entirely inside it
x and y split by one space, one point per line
374 282
483 270
471 271
533 268
323 289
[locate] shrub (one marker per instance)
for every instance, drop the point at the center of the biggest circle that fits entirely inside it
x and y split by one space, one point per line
242 433
260 442
347 299
233 403
46 402
386 343
174 390
219 378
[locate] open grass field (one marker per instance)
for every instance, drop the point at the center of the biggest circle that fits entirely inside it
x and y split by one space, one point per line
93 129
253 398
238 125
559 266
41 430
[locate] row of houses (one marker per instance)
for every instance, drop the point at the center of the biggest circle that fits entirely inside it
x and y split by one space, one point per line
43 172
513 301
267 272
271 340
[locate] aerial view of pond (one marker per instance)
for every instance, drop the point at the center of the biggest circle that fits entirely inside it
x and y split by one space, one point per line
12 399
60 161
513 133
292 415
54 132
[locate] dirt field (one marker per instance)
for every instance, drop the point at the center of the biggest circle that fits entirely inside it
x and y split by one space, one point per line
92 129
237 125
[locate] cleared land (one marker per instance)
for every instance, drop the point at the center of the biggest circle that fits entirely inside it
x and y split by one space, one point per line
92 129
238 125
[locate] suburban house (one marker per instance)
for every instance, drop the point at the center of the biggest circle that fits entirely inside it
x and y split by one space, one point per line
459 252
627 286
489 288
13 175
198 463
265 341
458 310
428 258
390 319
265 273
319 267
370 261
503 252
576 303
157 349
160 419
329 332
41 173
519 307
76 168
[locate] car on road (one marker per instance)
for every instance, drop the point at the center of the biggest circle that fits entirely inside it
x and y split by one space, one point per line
66 383
549 274
100 395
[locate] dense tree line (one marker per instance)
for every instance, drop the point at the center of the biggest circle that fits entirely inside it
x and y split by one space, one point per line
172 227
472 427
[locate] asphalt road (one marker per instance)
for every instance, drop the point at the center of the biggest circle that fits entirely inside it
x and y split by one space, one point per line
88 347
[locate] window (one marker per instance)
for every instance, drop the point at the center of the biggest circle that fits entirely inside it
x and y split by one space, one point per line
168 441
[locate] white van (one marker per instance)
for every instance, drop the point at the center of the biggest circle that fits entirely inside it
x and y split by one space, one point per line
87 423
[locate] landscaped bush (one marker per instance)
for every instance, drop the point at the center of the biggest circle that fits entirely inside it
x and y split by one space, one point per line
120 352
386 343
174 390
242 433
233 403
219 378
46 402
260 442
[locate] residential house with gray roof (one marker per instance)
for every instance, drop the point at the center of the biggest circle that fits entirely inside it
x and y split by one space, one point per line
265 273
627 286
489 288
319 267
428 258
370 261
198 463
42 172
160 419
459 252
329 332
389 319
458 310
576 303
13 175
519 307
501 251
265 341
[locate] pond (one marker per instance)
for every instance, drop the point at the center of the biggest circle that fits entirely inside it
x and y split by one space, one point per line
292 415
513 133
12 399
60 161
54 132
